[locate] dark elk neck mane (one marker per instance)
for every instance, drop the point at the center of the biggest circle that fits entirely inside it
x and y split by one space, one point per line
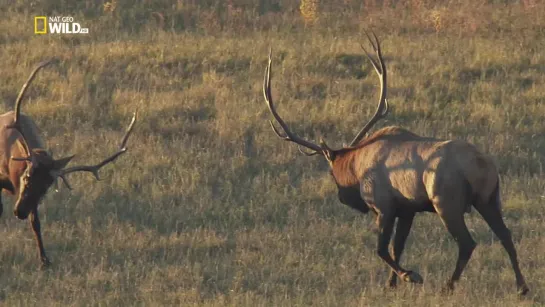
343 169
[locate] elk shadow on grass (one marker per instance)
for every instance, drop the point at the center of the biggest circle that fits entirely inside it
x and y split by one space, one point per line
122 208
176 121
186 68
500 71
36 90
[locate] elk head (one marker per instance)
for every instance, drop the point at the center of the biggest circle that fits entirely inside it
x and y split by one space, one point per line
41 170
338 159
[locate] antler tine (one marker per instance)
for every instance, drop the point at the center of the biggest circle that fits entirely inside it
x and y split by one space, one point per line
386 108
95 168
288 135
25 87
382 108
376 49
65 182
307 153
268 96
16 124
375 43
277 132
129 130
375 65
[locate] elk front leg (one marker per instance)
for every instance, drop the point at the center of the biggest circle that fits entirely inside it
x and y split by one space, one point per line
36 227
402 232
386 225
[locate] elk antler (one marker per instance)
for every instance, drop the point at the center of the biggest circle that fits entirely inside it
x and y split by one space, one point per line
94 168
16 124
382 108
289 136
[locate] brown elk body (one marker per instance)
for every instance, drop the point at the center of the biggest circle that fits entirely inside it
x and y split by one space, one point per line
396 174
27 170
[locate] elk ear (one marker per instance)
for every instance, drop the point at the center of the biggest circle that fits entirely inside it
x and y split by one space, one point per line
61 163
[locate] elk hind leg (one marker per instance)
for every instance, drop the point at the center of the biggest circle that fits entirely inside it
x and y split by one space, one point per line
403 228
456 226
491 213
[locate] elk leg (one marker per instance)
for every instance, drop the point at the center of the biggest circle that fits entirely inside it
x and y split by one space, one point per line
457 228
35 224
386 225
403 228
492 215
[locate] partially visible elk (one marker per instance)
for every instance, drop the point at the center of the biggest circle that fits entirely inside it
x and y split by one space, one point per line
27 170
396 174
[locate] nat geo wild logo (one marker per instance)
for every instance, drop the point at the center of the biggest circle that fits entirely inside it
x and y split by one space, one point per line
58 25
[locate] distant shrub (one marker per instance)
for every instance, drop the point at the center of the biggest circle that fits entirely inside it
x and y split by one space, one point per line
309 10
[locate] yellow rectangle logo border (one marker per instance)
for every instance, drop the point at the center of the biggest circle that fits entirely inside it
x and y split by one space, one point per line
36 31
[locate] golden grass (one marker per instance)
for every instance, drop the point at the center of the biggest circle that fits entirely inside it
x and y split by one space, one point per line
209 208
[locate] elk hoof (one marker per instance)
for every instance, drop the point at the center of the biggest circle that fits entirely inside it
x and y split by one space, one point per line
523 289
448 288
412 277
45 263
391 284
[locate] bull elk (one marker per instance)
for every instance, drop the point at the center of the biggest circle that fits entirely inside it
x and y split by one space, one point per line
396 174
27 170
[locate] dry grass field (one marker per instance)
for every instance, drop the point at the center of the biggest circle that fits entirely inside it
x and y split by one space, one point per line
208 207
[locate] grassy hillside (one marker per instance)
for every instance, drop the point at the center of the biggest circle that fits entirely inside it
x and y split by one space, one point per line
208 207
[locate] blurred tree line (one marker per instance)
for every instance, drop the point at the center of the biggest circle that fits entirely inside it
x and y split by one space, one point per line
239 15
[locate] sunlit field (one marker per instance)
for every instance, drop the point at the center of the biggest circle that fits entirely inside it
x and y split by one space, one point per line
208 207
